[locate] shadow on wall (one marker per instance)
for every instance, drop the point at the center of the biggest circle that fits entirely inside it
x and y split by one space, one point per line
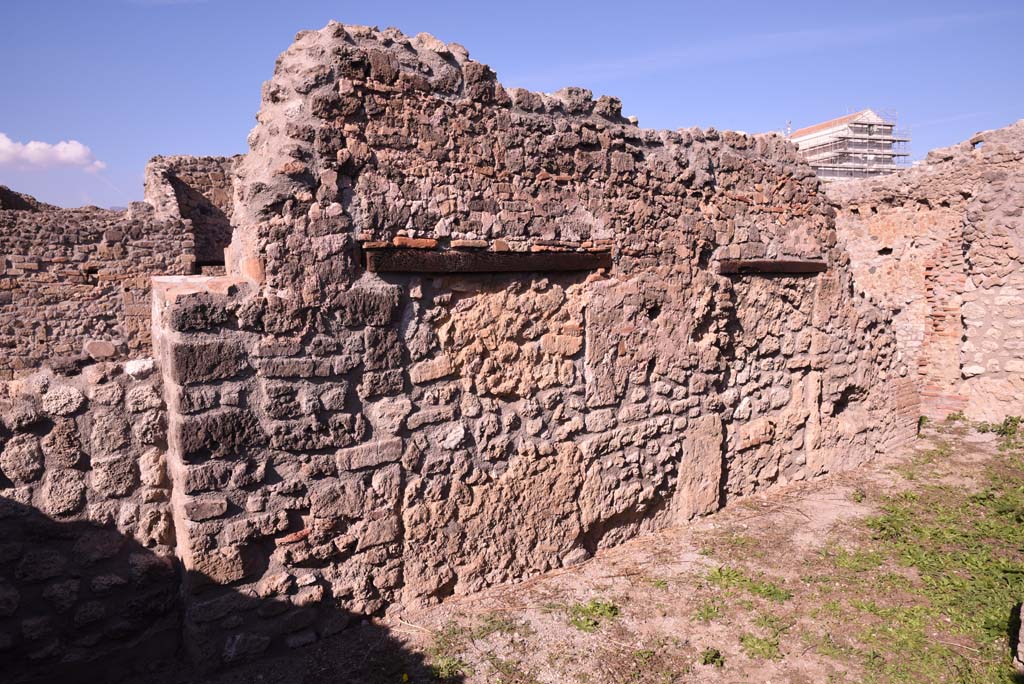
210 225
80 602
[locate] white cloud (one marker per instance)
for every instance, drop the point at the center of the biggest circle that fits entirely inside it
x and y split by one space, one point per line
46 155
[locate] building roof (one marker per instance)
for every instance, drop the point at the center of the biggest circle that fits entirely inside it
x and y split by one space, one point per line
835 123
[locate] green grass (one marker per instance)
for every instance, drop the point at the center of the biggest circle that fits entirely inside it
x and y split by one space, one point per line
712 656
765 647
501 623
446 664
587 617
449 668
728 577
708 611
1010 430
921 591
507 671
828 646
966 552
855 560
762 648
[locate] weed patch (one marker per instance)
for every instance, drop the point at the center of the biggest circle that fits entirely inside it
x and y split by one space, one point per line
708 611
587 617
712 656
966 550
501 623
763 648
728 577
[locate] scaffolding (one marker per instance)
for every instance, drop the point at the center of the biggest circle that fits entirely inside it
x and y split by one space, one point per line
857 145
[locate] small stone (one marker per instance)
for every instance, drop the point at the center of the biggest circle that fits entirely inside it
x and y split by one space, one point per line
62 446
561 345
299 639
206 507
101 584
221 566
388 415
971 371
276 584
575 557
38 565
428 371
139 368
62 594
306 579
142 398
22 460
454 437
64 492
244 645
425 41
115 477
469 244
309 595
35 628
414 243
62 400
100 350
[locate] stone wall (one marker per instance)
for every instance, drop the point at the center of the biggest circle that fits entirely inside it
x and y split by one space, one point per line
466 335
76 277
88 578
941 244
342 440
199 191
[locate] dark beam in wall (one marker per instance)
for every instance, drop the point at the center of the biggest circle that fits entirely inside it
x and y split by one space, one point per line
772 266
457 261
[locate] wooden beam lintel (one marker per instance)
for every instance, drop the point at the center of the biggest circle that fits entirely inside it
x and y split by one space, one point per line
772 266
460 261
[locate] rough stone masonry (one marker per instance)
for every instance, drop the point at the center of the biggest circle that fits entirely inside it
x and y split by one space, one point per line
364 438
942 244
75 283
465 335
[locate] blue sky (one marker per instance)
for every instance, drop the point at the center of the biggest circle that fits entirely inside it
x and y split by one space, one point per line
129 79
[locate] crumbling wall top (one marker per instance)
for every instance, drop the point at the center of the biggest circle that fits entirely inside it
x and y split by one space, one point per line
373 137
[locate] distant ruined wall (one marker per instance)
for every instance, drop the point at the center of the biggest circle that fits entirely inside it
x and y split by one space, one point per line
942 245
342 439
88 579
199 190
70 277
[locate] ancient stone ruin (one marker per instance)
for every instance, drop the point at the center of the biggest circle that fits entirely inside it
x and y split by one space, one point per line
943 245
463 335
76 282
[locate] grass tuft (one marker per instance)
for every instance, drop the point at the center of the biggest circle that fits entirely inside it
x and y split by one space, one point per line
763 648
587 617
712 656
729 577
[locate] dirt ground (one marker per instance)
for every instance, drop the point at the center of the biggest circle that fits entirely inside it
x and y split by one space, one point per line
906 570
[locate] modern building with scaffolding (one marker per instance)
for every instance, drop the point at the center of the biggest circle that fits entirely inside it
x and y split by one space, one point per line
857 145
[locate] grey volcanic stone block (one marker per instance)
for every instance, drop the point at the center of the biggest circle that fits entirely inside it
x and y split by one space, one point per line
205 360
